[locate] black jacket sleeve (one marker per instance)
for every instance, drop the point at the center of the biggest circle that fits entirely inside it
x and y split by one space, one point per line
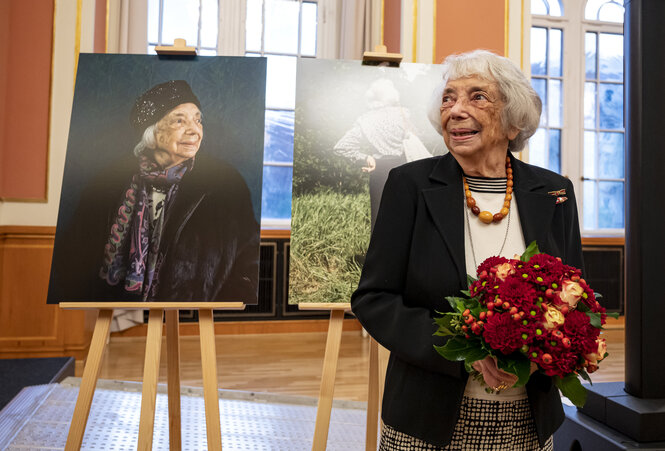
400 325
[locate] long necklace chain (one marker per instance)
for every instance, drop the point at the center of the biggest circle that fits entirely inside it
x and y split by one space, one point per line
473 250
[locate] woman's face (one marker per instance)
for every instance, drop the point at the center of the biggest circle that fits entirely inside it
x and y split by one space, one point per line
471 118
178 135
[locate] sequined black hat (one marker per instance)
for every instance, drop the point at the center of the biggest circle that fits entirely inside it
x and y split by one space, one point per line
153 104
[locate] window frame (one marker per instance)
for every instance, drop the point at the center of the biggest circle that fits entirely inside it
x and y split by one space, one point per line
232 16
574 27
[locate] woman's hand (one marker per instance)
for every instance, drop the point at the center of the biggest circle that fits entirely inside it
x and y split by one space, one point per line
494 377
371 164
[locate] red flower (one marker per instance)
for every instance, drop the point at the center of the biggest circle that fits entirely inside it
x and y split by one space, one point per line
582 334
561 363
489 263
519 293
502 333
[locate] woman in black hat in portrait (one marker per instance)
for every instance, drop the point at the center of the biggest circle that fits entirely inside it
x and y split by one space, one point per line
169 223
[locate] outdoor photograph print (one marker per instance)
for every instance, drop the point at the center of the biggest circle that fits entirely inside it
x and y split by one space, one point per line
353 124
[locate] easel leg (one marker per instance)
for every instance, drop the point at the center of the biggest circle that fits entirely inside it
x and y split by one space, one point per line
89 380
372 397
384 356
209 366
173 365
153 347
328 380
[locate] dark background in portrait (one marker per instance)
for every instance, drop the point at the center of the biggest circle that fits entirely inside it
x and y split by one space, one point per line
232 95
231 91
330 224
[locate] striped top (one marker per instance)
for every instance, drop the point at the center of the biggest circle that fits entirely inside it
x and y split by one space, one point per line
486 184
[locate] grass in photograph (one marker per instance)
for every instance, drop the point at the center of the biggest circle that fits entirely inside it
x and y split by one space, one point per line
329 237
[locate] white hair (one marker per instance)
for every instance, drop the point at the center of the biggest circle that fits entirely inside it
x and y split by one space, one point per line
522 105
148 140
382 93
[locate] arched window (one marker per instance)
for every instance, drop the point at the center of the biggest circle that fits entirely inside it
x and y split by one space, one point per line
577 53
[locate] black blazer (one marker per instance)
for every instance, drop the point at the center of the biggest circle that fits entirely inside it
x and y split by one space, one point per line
209 248
416 259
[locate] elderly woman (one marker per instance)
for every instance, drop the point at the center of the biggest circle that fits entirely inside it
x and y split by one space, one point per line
441 217
166 224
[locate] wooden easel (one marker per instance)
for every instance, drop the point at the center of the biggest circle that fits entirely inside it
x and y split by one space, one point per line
378 356
151 369
377 365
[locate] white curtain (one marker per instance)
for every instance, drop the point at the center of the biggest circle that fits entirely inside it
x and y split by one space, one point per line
128 33
128 26
360 27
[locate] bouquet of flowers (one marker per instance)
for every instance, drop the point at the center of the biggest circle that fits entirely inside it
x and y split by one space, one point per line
535 309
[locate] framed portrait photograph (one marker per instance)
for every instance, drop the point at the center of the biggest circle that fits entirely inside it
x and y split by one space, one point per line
161 193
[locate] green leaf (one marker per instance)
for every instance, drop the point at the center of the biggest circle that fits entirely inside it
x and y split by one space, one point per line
594 318
519 367
457 303
572 388
582 307
470 279
466 293
459 348
584 375
614 315
445 326
531 250
597 295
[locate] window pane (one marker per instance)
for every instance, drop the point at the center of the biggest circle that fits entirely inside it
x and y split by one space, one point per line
181 20
538 148
590 54
308 33
281 26
253 25
151 50
281 82
207 52
610 205
539 85
555 8
611 12
610 155
610 52
590 154
279 136
276 199
539 7
209 21
611 106
538 51
554 163
153 21
555 106
589 105
593 7
556 37
589 210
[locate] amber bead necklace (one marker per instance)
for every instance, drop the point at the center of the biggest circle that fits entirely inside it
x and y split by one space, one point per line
486 216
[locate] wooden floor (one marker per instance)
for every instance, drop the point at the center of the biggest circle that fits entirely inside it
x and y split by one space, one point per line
288 363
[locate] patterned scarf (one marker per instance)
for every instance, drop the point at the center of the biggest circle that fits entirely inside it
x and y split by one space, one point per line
130 254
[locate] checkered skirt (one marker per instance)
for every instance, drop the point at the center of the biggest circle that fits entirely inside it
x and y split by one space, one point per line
482 425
